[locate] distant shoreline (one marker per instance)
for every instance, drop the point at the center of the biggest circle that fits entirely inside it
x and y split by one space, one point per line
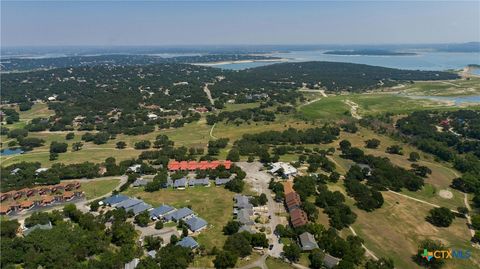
369 53
241 62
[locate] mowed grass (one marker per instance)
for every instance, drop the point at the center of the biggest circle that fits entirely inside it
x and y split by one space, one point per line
98 188
334 107
214 204
396 229
274 263
461 87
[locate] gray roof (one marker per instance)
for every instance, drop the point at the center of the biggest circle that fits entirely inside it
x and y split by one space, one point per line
243 216
139 208
140 182
169 183
152 253
188 242
47 226
307 240
195 223
221 181
161 211
115 199
179 214
180 183
132 264
330 261
246 228
199 182
242 201
128 203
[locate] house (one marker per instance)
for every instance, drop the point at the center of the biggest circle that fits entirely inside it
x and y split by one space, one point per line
128 203
169 183
329 261
43 191
68 195
152 253
139 208
47 200
196 224
17 195
242 202
221 181
73 186
27 204
161 211
40 170
292 200
30 192
201 109
115 199
134 168
307 241
152 116
193 165
132 264
246 228
188 242
6 195
47 226
180 184
298 217
181 214
139 182
199 182
244 216
15 171
5 210
284 169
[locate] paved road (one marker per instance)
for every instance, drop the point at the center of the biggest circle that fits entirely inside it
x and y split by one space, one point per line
259 180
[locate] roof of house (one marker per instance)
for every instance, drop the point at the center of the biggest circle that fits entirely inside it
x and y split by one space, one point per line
115 199
298 217
139 208
188 242
47 226
330 261
243 216
196 223
242 201
47 199
193 165
246 228
26 204
222 181
198 181
287 168
161 210
132 264
128 203
292 200
4 209
68 194
152 253
308 241
139 182
180 183
179 214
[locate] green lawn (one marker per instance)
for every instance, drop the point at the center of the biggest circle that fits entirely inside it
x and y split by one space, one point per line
459 87
273 263
214 204
99 187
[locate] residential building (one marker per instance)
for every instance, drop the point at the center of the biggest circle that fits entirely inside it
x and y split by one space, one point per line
284 169
161 211
5 210
196 224
47 226
329 261
307 241
180 184
115 199
139 208
193 165
298 217
221 181
132 264
188 242
128 203
199 182
139 182
180 214
292 200
27 204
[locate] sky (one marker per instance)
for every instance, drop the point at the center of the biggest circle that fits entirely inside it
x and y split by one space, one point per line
107 23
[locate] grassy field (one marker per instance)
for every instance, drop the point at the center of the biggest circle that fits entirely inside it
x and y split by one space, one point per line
98 188
395 230
335 108
214 204
443 88
273 263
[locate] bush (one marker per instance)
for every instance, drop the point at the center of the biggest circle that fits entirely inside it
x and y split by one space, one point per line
144 144
58 147
121 145
441 217
159 225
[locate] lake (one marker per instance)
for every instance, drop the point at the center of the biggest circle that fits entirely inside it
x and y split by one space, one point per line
7 152
457 100
424 60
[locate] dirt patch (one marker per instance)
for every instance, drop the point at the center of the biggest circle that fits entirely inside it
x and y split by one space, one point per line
446 194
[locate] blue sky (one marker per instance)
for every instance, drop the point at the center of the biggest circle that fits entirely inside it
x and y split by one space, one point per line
107 23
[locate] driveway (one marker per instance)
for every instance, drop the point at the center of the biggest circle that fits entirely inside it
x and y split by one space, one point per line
259 181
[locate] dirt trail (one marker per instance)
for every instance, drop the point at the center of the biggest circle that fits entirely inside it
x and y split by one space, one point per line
207 92
353 109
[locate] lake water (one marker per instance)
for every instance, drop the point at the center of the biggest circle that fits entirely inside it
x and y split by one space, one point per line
457 100
425 60
7 152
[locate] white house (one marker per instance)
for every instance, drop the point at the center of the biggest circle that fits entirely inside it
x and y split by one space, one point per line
285 169
152 116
